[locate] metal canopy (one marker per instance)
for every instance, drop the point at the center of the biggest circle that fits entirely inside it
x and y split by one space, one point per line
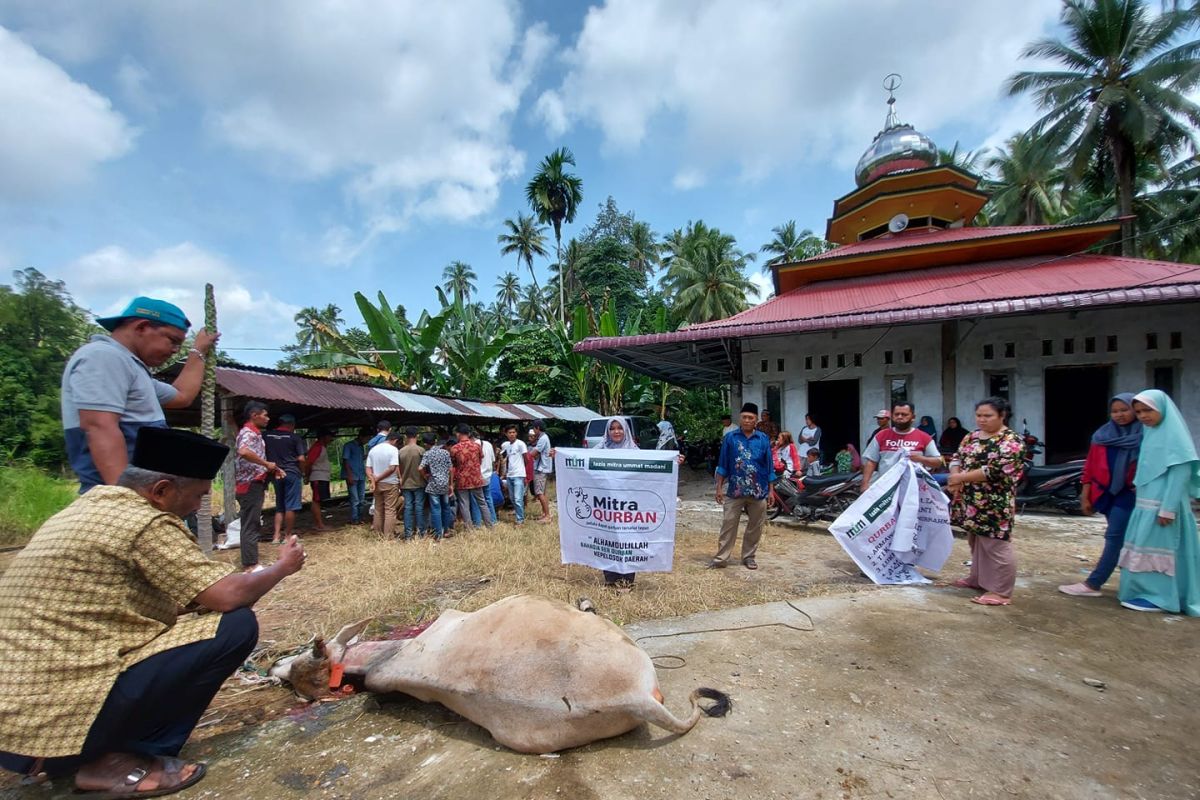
715 362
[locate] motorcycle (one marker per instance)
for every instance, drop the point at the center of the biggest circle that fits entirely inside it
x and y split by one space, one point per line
1056 486
811 499
700 455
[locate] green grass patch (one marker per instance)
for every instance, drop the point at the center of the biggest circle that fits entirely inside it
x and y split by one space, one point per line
28 497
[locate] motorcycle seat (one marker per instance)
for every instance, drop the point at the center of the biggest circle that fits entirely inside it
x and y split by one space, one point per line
1052 470
827 480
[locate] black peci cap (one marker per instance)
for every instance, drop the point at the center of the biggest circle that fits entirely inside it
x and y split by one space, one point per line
176 452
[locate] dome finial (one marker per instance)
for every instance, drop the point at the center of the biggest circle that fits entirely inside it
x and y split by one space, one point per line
892 81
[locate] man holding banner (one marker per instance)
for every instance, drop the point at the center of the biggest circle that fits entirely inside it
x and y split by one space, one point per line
616 506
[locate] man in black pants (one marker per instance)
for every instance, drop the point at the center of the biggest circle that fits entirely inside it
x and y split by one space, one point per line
118 631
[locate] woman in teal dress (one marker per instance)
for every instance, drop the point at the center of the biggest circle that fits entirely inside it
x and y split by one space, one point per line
1160 563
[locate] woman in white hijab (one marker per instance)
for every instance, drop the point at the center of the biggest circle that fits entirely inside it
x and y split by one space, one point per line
617 437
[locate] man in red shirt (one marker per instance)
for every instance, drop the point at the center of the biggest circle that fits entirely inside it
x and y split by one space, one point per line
897 441
468 475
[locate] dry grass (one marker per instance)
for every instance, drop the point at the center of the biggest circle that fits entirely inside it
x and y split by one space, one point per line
352 574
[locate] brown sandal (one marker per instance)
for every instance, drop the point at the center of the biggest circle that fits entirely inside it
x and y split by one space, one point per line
169 770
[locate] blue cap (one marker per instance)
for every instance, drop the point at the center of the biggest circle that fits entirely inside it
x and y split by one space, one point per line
151 309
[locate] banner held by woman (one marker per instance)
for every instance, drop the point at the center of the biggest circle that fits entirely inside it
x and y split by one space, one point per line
616 508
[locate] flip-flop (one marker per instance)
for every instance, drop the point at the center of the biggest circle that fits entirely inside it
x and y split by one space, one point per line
127 787
986 600
961 583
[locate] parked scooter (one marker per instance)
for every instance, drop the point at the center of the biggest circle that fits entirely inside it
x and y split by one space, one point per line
1056 486
700 455
811 499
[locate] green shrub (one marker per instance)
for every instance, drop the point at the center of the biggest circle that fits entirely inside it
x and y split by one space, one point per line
28 497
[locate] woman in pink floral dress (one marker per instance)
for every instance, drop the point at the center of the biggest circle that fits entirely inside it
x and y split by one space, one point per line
983 487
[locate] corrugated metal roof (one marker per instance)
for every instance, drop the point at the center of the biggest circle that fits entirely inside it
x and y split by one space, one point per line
417 403
488 409
997 287
572 413
300 390
922 238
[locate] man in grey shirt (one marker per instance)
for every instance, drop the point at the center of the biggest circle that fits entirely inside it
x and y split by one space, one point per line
108 392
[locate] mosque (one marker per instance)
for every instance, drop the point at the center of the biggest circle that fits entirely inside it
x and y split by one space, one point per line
918 302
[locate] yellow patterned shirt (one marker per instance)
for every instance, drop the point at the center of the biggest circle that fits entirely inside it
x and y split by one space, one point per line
98 588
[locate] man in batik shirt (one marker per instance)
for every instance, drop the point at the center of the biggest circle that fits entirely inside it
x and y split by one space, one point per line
745 464
117 631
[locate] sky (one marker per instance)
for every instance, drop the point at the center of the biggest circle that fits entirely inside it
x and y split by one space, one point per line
293 152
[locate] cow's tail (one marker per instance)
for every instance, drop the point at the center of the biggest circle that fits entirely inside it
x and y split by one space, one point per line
659 715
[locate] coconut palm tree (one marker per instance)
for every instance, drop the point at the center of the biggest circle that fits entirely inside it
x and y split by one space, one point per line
789 246
525 238
967 160
318 327
554 195
532 304
706 278
1122 89
508 290
1028 186
643 245
459 279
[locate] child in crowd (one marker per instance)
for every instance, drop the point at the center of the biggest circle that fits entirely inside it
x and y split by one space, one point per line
814 468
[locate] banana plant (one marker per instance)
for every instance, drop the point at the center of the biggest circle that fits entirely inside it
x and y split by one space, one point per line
472 347
612 378
409 356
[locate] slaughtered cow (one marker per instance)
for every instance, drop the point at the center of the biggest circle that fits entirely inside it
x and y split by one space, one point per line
539 675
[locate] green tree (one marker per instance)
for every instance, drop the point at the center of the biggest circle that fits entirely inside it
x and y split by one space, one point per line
967 160
318 327
643 249
508 290
705 278
1028 186
530 370
789 246
1122 90
459 280
527 239
40 327
554 196
604 272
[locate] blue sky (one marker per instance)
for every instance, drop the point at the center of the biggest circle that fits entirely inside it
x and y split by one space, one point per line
296 152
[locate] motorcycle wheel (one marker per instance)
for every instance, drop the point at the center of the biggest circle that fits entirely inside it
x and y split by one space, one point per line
773 508
836 506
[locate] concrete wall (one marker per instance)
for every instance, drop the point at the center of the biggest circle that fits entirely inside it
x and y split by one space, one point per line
924 371
1132 361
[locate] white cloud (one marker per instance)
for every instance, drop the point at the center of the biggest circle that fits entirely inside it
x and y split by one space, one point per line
761 83
765 285
106 279
688 178
53 130
408 104
134 81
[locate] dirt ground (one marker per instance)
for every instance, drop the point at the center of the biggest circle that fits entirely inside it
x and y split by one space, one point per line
894 692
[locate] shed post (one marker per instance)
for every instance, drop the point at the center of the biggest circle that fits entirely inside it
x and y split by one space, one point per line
208 391
228 478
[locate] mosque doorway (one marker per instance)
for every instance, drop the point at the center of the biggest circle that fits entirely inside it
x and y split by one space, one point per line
834 406
1076 404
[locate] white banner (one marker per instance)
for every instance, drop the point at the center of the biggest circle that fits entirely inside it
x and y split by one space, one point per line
901 522
616 508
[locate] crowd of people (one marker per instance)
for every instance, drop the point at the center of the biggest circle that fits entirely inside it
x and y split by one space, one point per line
409 483
1142 473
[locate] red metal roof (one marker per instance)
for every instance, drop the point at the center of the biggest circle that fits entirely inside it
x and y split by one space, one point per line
301 390
925 237
1008 286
